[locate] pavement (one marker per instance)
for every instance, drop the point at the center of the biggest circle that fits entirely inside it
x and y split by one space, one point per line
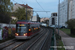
69 42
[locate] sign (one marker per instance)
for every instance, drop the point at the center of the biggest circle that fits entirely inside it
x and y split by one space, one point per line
21 24
0 34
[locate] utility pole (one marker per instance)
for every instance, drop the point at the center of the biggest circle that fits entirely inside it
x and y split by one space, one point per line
26 11
58 15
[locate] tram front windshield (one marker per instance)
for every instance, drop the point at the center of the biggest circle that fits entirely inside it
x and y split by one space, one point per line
21 28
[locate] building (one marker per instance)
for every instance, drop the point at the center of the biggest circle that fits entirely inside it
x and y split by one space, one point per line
43 19
13 17
16 6
73 9
65 12
53 20
35 18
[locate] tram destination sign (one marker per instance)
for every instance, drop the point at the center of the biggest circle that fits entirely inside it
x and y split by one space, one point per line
21 25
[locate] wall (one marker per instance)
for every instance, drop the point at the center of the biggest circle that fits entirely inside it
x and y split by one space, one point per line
34 18
11 25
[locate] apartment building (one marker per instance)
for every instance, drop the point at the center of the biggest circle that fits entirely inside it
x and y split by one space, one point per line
65 12
73 9
53 20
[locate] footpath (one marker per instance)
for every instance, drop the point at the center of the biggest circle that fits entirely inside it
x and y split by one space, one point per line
69 42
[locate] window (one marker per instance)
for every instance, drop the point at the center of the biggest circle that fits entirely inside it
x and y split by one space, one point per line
53 21
21 28
54 14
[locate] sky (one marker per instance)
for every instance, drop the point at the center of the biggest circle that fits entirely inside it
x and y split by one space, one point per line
46 5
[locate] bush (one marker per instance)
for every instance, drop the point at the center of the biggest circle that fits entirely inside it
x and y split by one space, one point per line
71 25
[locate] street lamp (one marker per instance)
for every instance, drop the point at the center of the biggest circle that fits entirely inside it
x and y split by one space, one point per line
58 15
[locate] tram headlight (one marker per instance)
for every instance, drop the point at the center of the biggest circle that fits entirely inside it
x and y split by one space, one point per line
34 28
29 29
25 34
16 34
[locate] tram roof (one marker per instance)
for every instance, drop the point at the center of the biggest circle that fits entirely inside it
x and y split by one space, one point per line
27 21
24 20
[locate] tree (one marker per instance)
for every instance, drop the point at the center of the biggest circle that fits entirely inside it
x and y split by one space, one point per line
21 14
5 11
38 18
71 25
4 18
13 21
6 6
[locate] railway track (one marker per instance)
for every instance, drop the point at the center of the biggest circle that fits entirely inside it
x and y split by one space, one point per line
38 42
13 45
47 42
27 44
7 45
19 45
35 41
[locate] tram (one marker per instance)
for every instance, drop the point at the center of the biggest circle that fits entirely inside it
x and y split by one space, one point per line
26 29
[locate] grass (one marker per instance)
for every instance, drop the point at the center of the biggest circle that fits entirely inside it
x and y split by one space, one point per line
67 31
60 43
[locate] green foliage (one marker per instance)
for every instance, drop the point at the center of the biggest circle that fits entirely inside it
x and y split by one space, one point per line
60 43
67 31
20 13
5 11
4 18
13 21
71 23
5 6
38 18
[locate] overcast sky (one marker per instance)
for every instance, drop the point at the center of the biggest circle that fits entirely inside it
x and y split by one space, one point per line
47 5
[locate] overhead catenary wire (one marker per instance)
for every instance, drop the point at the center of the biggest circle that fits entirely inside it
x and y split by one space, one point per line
42 8
36 11
15 1
40 5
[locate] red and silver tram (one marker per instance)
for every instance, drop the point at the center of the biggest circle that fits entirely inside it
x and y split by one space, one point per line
26 29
